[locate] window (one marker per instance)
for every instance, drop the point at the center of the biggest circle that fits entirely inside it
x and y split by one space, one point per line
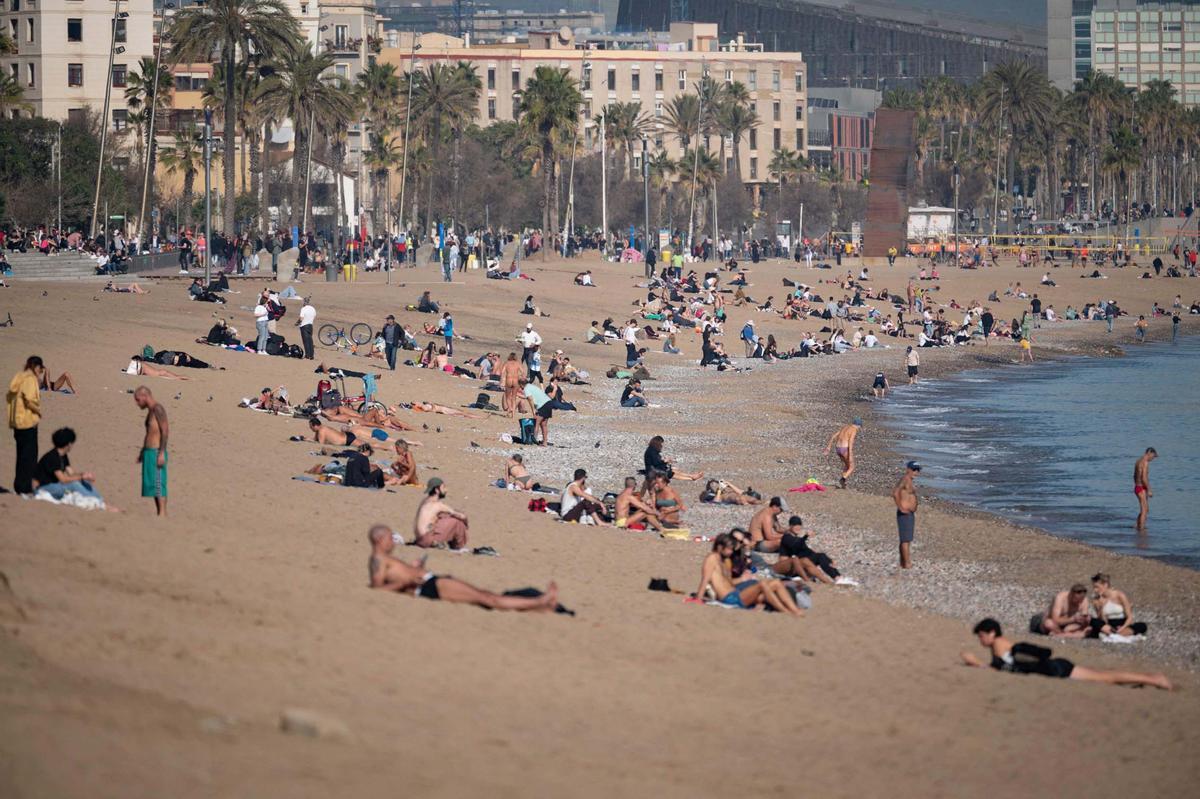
120 118
516 79
119 76
1082 49
74 30
74 74
31 75
775 80
304 9
587 79
612 79
799 112
778 138
658 79
1083 28
752 79
76 116
14 5
635 80
491 108
682 80
658 142
753 139
800 80
658 108
122 30
753 168
13 27
491 78
341 33
729 76
775 110
15 70
29 30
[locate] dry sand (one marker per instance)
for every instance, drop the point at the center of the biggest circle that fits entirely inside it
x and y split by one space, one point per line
141 657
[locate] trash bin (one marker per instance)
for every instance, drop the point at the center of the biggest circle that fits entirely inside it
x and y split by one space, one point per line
331 273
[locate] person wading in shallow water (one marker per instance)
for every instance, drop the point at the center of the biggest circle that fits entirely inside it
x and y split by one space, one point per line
1141 486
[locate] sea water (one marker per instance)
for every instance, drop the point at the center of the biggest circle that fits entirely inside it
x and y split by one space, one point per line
1053 445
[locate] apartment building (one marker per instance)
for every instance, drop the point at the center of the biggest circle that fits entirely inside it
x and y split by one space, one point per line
652 77
63 49
1133 40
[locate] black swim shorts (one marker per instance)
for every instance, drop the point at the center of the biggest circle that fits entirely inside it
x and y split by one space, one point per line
429 589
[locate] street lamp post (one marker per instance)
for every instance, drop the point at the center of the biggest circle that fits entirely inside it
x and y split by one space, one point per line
407 124
569 222
150 138
208 243
954 142
646 204
603 189
696 157
996 199
118 14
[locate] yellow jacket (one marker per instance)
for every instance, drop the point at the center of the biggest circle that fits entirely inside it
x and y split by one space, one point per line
24 401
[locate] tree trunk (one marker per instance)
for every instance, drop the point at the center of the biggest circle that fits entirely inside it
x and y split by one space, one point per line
737 157
435 150
339 160
265 187
547 188
189 183
299 176
229 127
256 168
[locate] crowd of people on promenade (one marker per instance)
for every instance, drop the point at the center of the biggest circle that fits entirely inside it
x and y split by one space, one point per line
770 562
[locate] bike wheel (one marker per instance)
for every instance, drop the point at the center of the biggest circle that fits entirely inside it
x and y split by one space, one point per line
361 333
364 407
328 335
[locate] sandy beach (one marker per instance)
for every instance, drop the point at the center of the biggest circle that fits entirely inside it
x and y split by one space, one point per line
143 656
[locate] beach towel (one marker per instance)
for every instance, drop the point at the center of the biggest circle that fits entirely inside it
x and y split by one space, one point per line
812 484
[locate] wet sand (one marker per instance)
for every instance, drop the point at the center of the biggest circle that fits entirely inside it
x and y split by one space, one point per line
142 656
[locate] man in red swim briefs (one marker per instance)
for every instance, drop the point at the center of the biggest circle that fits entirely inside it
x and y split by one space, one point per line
1141 486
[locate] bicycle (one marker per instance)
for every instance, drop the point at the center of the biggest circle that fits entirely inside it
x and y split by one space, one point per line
331 335
362 403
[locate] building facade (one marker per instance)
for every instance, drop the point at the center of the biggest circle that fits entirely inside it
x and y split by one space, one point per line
63 49
1133 40
869 43
653 78
841 124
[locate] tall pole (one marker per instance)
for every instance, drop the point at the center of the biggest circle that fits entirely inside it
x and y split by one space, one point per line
58 174
312 115
696 159
603 187
112 52
150 138
208 242
407 121
996 200
646 203
956 179
569 222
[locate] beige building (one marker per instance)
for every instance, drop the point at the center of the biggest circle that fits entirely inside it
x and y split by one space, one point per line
651 77
63 48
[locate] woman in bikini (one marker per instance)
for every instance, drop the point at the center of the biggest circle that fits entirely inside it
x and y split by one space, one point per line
1114 613
715 572
63 381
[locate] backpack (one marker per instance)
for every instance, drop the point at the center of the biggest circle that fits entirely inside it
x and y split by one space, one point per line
528 434
331 398
295 351
275 347
537 505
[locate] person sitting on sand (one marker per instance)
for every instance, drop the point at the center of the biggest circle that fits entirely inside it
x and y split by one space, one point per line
764 535
404 468
1114 613
360 472
798 559
584 278
143 368
1068 615
631 509
437 523
667 501
268 401
515 473
578 505
56 477
1023 658
719 492
654 461
132 288
392 574
61 383
747 594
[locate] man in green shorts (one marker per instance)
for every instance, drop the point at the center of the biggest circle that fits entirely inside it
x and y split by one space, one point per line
153 456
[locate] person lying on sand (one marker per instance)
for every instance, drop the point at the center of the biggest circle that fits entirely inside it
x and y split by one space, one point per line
719 492
433 407
631 509
436 522
715 572
1023 658
146 369
132 288
516 473
392 574
63 381
374 417
342 438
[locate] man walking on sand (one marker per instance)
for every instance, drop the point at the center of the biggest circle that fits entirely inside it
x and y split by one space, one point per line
153 456
1141 486
905 497
843 440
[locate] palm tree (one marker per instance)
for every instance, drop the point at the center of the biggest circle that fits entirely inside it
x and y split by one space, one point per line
140 94
185 157
1121 158
662 176
712 95
7 45
1098 95
443 97
625 124
12 95
736 120
245 88
1157 116
229 27
302 90
707 172
468 78
378 91
1022 95
386 153
786 163
683 118
547 108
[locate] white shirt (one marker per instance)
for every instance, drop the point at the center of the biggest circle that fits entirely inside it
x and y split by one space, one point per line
260 313
631 334
530 338
870 340
307 315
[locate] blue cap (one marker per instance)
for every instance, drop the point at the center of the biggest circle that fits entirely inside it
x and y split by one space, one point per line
913 466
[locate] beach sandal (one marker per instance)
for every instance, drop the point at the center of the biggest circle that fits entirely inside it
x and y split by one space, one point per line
488 551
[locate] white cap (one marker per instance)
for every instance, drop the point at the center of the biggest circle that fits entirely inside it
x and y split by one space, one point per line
751 323
529 326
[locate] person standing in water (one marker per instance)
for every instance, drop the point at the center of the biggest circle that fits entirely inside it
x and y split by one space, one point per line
1141 486
905 497
843 440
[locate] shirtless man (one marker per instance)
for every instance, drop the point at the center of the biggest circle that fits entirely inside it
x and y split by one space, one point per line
843 441
392 574
905 497
763 535
153 456
1068 614
404 468
510 377
749 593
372 418
631 509
515 472
351 436
1141 486
147 369
436 522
